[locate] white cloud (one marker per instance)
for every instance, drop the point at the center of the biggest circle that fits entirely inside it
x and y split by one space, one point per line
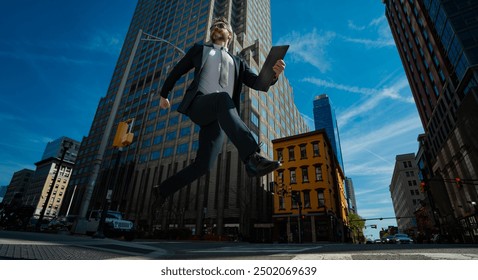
374 212
309 48
371 43
354 89
375 96
353 26
389 131
380 26
104 42
369 169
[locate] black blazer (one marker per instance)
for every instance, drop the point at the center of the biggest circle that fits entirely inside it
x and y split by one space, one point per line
194 59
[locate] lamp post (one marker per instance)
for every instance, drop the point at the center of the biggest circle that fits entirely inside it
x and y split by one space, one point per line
150 37
67 144
123 138
100 232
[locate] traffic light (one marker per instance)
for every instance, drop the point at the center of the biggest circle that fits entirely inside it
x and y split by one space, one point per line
459 183
423 186
123 136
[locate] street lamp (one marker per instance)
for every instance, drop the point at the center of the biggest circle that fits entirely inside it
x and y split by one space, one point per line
67 144
152 38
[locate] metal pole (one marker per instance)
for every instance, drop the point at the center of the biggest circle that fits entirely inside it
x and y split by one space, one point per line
66 145
71 200
81 225
107 199
300 220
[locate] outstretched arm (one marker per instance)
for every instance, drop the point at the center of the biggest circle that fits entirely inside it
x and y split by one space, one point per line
181 68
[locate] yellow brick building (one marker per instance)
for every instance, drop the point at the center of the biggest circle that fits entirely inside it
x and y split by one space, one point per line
309 194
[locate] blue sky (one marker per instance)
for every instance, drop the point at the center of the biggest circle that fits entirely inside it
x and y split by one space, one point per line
57 58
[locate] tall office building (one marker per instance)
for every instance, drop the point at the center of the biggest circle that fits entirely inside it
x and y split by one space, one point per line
350 194
438 46
18 184
324 118
42 180
165 141
405 193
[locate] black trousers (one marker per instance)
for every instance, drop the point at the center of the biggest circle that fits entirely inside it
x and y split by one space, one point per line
217 116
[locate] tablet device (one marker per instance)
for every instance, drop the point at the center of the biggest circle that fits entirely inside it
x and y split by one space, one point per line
266 75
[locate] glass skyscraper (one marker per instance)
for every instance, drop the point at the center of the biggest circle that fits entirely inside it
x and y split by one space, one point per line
165 141
324 118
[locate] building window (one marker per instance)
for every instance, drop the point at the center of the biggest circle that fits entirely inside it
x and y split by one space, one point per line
295 199
303 152
281 203
305 174
280 155
155 155
291 154
293 179
146 143
173 121
182 148
318 173
167 152
171 136
320 198
315 148
255 119
306 199
158 139
185 131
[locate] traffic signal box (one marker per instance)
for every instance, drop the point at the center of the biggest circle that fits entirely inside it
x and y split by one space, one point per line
459 183
423 186
123 136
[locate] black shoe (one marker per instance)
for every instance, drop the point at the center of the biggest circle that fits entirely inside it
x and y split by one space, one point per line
257 165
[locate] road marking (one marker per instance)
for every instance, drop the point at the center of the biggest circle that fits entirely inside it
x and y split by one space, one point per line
256 249
387 256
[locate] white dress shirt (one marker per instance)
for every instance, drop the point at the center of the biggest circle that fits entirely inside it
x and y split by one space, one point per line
209 81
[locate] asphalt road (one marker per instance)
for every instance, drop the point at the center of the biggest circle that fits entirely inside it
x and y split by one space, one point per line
47 246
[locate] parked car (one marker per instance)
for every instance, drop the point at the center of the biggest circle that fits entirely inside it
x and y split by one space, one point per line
402 239
377 241
388 239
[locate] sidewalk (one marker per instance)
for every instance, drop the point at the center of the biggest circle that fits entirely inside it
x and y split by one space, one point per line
18 245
